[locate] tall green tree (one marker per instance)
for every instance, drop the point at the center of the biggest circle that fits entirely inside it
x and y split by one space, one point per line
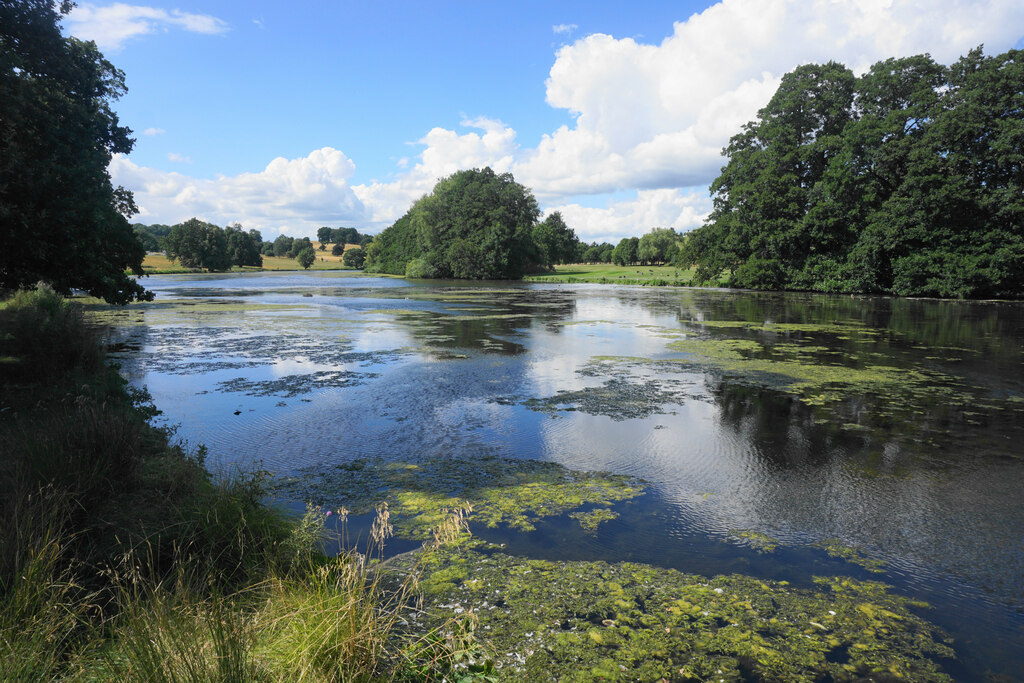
306 257
657 246
244 248
197 244
625 252
476 224
909 183
61 219
283 246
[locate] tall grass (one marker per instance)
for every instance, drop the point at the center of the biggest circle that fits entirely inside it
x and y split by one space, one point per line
121 558
45 336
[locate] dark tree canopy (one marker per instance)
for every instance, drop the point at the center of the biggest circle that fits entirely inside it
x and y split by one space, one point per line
61 219
283 246
625 252
244 248
476 224
555 241
908 180
354 258
196 244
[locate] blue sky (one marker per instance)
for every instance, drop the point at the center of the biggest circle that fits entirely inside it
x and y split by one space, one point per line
285 118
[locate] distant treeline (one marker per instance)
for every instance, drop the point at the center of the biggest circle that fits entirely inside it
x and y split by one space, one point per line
342 236
908 180
198 244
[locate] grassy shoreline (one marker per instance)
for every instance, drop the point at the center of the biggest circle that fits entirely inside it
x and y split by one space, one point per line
122 558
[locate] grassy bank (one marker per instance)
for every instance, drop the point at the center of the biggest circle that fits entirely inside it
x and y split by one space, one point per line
121 558
606 273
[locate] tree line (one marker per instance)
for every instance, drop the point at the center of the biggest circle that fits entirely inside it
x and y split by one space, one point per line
202 245
908 180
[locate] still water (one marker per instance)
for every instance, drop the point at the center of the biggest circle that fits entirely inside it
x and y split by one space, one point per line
895 427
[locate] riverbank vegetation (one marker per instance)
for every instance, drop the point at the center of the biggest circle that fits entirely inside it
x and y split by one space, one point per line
122 558
908 180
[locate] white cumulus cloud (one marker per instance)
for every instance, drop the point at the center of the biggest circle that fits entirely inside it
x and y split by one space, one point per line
446 151
649 116
112 26
665 208
290 195
153 131
564 28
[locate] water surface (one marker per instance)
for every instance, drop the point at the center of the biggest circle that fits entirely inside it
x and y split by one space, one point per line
895 427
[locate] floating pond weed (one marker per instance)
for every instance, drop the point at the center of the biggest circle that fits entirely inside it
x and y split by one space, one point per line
498 491
578 621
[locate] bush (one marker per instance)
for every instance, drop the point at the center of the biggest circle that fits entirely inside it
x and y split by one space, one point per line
43 336
306 257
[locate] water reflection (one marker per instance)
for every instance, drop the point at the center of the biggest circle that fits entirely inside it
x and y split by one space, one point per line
919 464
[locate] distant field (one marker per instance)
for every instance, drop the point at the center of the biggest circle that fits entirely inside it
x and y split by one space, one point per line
158 263
607 273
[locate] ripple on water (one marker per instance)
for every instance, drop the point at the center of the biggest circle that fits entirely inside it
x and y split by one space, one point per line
918 466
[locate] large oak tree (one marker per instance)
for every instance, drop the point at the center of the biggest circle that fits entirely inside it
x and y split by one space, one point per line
61 219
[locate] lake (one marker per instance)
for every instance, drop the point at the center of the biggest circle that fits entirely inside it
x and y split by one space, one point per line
778 436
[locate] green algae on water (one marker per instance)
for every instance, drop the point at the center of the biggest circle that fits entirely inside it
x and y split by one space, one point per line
294 385
584 621
761 542
617 398
498 491
591 520
836 548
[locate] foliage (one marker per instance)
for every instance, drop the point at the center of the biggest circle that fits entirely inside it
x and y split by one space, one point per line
151 236
283 246
45 338
197 244
657 246
556 242
58 134
907 181
244 247
306 257
476 224
354 258
626 251
595 253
